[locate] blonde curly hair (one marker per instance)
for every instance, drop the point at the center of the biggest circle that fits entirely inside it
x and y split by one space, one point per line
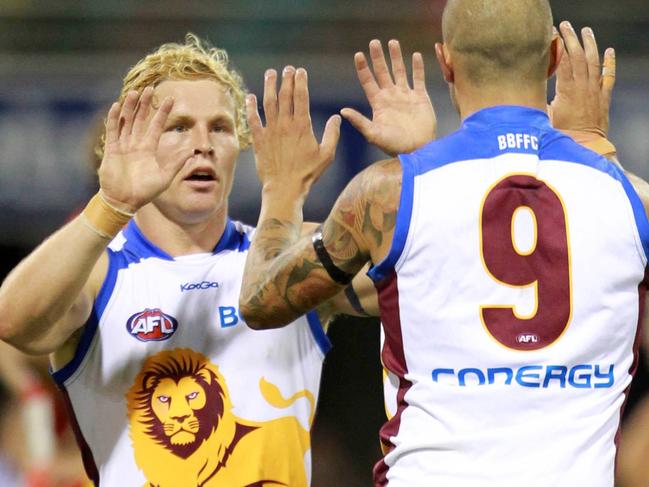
195 59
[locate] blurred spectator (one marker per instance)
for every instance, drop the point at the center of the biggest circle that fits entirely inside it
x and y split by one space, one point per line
37 447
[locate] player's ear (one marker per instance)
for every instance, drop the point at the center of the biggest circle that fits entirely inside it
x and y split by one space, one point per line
445 62
556 53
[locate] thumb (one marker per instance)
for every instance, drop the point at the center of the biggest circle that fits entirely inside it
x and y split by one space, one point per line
170 170
359 121
330 136
254 120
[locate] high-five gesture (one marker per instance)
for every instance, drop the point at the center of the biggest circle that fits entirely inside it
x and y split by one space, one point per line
583 86
130 176
403 118
288 156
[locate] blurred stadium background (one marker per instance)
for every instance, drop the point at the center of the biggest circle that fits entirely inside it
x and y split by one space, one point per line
61 64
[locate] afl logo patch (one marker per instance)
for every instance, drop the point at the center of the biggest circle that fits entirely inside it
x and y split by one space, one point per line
527 338
151 325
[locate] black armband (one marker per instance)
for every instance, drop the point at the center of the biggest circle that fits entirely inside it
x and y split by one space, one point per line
354 301
335 272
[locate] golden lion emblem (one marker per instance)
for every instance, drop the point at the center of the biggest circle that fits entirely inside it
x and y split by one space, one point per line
184 433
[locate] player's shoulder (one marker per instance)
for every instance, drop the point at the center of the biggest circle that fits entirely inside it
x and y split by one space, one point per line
463 144
641 188
379 181
384 169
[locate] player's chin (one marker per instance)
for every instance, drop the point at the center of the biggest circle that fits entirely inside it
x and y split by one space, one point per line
200 207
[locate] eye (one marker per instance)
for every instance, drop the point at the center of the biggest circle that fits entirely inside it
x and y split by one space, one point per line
163 399
219 128
192 395
177 127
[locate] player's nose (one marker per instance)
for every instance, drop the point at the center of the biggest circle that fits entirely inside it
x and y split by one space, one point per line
205 149
202 144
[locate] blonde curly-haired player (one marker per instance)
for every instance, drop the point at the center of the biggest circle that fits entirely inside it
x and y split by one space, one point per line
152 268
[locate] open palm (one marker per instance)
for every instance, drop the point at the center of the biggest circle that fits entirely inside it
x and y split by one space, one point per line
584 85
130 175
403 118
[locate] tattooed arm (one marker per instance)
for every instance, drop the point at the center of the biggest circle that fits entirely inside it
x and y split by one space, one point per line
284 278
358 298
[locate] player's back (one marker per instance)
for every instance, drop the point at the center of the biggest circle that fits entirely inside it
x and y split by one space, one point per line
510 302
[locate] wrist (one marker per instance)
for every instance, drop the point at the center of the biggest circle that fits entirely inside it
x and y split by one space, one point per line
118 206
103 218
281 205
282 192
593 141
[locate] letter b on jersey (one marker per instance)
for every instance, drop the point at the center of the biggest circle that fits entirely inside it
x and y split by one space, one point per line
228 316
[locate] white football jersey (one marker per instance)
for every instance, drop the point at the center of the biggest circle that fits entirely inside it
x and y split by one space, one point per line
169 387
510 303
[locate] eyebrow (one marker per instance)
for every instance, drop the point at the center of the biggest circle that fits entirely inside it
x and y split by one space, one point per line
188 119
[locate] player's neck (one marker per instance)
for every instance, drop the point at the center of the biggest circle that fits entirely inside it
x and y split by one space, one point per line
470 99
178 238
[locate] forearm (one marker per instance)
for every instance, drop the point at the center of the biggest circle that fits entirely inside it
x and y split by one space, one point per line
279 227
45 286
274 291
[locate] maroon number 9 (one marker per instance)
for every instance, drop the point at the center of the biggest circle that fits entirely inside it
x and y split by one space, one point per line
546 266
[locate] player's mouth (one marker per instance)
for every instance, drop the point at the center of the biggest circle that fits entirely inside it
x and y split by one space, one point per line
202 178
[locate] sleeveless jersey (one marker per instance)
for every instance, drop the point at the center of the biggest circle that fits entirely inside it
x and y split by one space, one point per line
510 303
169 387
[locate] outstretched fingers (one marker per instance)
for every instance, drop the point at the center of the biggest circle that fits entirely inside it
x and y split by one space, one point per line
398 66
142 111
380 66
127 114
564 70
608 74
112 124
157 124
285 110
270 95
592 58
365 76
418 72
301 97
575 51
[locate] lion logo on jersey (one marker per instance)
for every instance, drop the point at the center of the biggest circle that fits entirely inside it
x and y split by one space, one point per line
184 433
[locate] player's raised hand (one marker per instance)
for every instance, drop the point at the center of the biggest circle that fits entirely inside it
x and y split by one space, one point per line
403 118
583 85
130 176
287 153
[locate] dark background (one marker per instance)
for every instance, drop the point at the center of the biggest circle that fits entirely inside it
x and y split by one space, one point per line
61 63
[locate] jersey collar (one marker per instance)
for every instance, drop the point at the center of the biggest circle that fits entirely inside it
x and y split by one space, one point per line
142 247
507 114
